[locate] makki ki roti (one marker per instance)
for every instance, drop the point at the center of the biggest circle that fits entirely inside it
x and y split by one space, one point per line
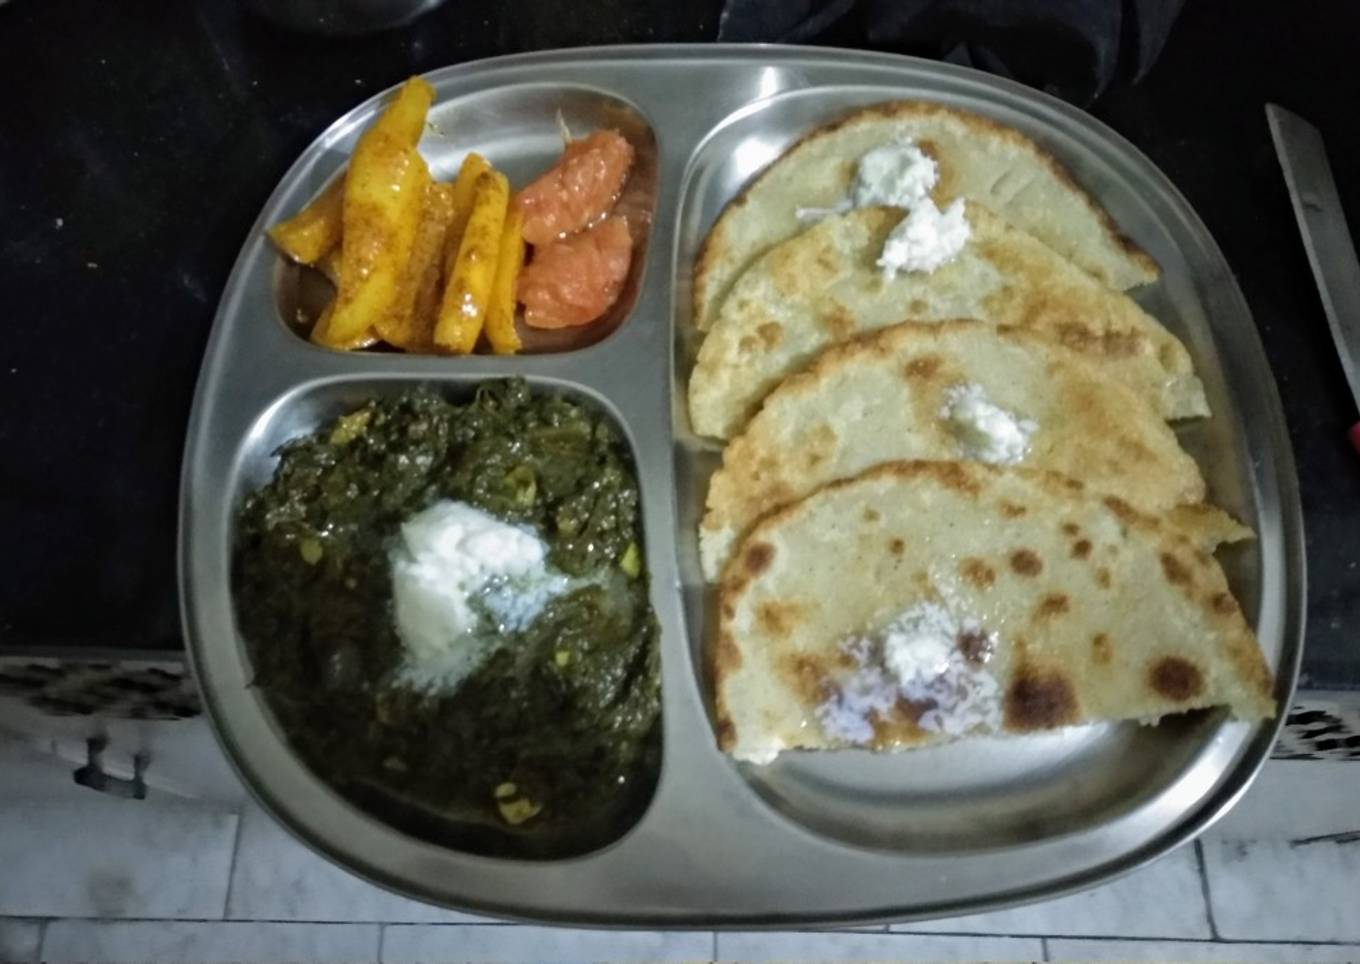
886 397
1057 607
824 287
977 159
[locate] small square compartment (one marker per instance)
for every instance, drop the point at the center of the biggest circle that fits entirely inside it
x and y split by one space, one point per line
518 129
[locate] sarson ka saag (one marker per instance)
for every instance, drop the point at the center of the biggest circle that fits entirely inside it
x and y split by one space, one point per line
446 608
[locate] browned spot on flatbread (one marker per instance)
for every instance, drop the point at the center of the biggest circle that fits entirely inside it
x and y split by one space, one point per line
909 710
770 333
1102 650
726 655
1081 548
1026 563
1011 510
1176 678
924 367
727 733
1039 700
777 618
759 555
839 323
870 514
1224 603
729 611
975 645
947 182
807 678
1175 570
955 475
1108 344
1120 508
1071 528
1052 605
917 307
896 546
977 572
1103 578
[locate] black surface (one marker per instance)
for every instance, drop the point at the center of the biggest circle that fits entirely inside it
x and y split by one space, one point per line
138 141
1071 48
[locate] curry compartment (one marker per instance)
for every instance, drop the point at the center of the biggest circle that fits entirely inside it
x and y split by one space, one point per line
548 745
520 130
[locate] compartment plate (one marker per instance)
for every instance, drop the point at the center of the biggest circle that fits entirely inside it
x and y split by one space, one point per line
836 840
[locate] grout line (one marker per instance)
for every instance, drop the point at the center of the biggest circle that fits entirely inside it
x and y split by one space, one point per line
1043 945
715 946
1285 942
235 855
42 940
1203 866
1344 837
1139 938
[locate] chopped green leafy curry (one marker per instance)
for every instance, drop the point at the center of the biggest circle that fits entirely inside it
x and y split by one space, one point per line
560 723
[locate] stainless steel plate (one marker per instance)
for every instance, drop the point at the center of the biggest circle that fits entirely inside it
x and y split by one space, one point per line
833 838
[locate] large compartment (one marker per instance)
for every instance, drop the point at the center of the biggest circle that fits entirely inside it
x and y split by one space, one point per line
991 793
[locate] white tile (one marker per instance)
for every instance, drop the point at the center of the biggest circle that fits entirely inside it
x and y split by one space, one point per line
1089 950
1275 890
105 857
509 942
1295 798
19 940
208 942
791 945
184 758
1164 899
31 774
278 878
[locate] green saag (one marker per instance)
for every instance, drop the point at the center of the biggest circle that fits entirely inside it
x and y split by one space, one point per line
559 725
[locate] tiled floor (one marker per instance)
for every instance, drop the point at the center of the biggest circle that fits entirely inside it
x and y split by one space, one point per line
210 877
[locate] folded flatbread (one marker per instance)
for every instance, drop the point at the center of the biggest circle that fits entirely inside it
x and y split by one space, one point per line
824 287
977 159
887 397
926 601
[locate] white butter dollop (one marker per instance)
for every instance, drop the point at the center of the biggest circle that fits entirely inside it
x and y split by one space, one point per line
925 239
917 645
898 175
918 657
987 432
459 577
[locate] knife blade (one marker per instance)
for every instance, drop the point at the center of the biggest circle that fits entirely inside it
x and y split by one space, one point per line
1322 222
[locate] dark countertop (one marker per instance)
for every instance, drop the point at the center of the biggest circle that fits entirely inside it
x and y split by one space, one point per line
140 141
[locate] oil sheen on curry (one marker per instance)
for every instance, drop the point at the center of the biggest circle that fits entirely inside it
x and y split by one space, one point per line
446 608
